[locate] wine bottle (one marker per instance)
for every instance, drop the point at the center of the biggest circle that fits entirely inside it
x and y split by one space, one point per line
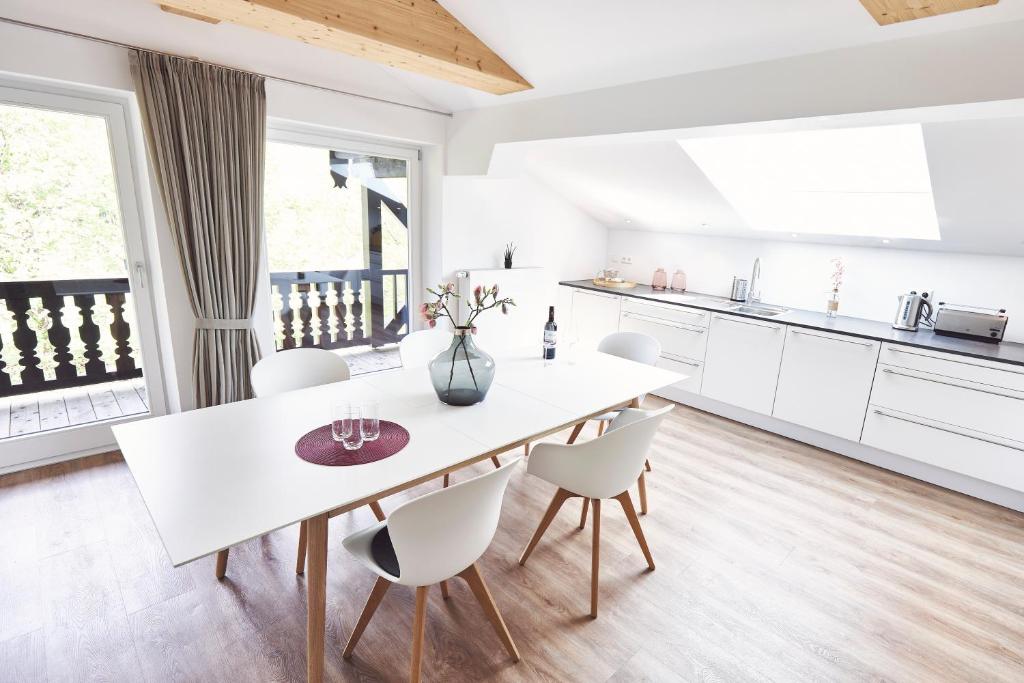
550 330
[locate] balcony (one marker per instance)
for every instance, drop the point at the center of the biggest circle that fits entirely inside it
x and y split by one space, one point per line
336 309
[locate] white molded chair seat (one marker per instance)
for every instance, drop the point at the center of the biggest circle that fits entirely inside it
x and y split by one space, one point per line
416 349
430 540
595 470
297 369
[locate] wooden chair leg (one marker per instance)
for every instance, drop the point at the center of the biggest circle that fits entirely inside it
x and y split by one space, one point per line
497 463
641 484
647 465
446 481
561 495
372 602
222 563
600 427
634 521
444 590
583 515
377 512
526 450
595 558
418 627
476 583
575 432
300 555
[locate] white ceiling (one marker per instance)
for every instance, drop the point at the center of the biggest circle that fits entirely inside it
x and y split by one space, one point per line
647 182
560 46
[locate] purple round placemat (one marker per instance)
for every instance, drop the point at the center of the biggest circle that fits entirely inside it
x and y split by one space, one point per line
320 448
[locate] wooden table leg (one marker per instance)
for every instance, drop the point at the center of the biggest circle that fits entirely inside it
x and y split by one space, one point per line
316 596
222 563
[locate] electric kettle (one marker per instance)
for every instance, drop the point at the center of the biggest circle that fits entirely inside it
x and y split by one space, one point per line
912 308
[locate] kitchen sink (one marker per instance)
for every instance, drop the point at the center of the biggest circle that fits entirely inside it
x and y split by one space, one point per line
759 309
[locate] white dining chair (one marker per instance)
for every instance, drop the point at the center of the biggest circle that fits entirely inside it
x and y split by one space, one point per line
640 348
418 348
596 470
430 540
300 369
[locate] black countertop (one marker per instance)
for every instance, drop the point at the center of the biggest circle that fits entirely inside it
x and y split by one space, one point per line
1004 352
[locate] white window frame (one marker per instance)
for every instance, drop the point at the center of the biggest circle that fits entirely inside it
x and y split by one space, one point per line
313 135
117 109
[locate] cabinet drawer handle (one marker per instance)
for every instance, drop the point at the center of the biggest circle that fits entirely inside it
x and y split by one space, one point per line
890 371
793 330
947 430
744 322
677 359
893 349
663 322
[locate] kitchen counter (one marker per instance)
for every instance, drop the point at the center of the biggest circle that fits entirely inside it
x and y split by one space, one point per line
1004 352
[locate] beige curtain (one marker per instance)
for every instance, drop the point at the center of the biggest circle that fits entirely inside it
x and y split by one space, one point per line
206 130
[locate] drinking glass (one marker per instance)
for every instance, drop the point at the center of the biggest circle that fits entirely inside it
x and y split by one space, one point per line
352 433
370 422
341 423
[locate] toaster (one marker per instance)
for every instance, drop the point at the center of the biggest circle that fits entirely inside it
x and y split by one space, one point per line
982 324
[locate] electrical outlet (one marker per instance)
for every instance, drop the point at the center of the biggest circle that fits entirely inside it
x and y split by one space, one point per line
626 260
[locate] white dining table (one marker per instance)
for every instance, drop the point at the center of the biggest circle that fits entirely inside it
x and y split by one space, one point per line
219 476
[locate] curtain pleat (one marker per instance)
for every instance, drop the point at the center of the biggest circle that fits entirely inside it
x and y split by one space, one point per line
206 133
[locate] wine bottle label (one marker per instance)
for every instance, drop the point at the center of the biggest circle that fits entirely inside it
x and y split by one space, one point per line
549 336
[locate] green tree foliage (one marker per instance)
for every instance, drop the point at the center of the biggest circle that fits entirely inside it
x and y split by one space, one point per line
59 213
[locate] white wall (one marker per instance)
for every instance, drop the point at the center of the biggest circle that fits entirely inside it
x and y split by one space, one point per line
482 214
797 274
41 54
971 65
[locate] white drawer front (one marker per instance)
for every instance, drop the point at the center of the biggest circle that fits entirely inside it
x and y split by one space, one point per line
963 367
663 311
676 338
942 446
691 368
969 405
825 381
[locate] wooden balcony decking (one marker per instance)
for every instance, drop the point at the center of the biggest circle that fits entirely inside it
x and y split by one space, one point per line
74 406
61 408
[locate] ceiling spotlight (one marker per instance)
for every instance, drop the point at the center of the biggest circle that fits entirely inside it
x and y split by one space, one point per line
886 241
794 235
629 220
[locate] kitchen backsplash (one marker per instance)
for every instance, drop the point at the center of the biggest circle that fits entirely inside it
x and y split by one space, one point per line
797 274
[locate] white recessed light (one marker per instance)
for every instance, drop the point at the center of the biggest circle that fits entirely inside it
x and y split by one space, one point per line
886 241
794 235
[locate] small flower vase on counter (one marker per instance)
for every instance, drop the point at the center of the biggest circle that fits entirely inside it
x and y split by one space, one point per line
832 307
660 280
462 373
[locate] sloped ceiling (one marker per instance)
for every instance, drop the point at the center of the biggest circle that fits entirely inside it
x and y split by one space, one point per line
976 167
559 46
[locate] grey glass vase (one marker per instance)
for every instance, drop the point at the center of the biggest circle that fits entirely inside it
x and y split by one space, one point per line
462 373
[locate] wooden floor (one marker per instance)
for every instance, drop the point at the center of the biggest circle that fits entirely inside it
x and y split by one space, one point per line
60 408
776 561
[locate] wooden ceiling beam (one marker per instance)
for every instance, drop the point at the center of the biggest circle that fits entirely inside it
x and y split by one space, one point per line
416 35
888 12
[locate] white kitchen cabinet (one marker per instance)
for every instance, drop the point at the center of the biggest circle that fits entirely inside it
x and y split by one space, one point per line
682 332
693 369
825 381
741 365
595 315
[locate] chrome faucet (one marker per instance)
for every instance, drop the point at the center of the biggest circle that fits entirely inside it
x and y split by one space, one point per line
753 293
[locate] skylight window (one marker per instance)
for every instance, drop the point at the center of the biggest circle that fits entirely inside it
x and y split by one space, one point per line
866 182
